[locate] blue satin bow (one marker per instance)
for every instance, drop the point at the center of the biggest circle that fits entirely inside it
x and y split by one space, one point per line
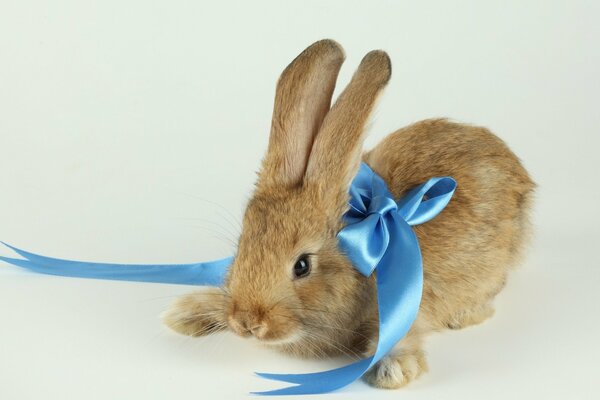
377 236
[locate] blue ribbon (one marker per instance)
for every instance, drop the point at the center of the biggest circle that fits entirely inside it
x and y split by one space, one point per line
377 236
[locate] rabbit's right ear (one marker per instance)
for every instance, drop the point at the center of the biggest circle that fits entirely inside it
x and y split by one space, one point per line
302 100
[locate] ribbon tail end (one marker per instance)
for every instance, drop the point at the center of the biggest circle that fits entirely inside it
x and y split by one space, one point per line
18 262
9 246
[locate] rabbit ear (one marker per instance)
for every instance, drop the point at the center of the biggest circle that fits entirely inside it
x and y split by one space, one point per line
302 99
336 152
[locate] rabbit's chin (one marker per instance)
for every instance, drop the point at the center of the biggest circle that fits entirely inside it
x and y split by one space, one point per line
292 338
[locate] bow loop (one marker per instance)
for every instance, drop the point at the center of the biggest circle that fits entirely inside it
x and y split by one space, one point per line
427 200
365 254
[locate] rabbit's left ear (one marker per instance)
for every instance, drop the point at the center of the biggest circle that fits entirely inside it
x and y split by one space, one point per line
302 99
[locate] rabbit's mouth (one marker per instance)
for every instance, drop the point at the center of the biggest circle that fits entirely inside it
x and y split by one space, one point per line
270 329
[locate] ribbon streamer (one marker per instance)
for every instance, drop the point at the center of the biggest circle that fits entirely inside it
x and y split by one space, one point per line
211 273
377 237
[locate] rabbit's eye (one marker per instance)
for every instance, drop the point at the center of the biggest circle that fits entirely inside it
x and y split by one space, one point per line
302 266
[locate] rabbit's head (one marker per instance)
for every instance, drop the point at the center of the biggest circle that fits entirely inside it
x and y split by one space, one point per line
289 283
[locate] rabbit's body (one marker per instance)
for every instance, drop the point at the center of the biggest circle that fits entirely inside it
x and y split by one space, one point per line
292 288
467 251
470 248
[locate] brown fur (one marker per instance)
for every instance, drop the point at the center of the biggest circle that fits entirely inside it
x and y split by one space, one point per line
301 195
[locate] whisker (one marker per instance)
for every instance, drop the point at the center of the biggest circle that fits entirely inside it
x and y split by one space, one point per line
328 340
230 218
321 325
336 345
217 235
223 229
181 295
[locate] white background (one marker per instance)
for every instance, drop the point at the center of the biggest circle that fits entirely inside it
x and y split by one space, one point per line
129 130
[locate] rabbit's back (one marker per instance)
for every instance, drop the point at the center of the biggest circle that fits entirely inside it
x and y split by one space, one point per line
469 248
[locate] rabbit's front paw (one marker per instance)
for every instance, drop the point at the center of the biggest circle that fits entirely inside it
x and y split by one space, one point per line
197 314
397 369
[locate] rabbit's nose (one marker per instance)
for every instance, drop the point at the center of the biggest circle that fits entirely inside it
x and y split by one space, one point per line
258 329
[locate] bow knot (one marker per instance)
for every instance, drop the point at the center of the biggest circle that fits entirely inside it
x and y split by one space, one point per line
366 236
381 205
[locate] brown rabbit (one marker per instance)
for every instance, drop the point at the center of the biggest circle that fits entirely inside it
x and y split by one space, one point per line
292 288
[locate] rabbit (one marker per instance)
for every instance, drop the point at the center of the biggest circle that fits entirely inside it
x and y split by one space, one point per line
291 288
